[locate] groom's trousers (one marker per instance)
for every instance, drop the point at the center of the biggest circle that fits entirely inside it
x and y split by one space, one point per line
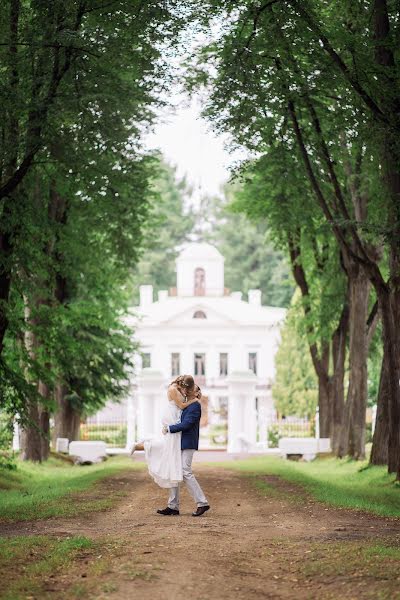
192 485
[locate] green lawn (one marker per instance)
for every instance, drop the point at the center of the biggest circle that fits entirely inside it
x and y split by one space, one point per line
343 483
36 491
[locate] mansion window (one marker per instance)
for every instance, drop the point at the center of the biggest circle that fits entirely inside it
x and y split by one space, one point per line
199 314
146 360
253 362
175 364
199 282
199 364
223 364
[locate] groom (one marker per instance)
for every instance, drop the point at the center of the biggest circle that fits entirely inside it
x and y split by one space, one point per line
189 426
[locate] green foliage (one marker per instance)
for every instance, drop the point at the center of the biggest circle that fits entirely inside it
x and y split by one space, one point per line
73 112
295 390
273 437
7 458
374 366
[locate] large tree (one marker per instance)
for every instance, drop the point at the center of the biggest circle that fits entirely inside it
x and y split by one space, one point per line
272 190
83 81
290 68
59 60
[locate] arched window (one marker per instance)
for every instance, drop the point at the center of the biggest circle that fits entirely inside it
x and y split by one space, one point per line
199 282
199 314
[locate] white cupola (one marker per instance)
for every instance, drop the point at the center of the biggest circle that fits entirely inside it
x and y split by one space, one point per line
200 271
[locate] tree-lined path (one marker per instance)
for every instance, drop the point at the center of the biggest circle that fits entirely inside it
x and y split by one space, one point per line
274 542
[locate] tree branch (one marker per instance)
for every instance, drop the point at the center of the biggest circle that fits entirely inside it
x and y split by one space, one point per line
372 322
301 280
316 29
256 18
37 117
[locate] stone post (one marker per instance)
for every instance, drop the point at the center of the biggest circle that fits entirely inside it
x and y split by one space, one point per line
16 433
242 414
151 395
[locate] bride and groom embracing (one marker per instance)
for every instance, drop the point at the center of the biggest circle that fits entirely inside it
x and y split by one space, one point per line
169 458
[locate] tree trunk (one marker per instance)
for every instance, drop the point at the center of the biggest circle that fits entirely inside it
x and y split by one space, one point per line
390 298
31 440
352 436
12 143
391 347
5 284
35 432
44 421
66 418
339 358
359 365
324 394
379 452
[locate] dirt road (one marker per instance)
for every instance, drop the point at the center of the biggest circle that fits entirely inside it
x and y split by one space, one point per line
254 543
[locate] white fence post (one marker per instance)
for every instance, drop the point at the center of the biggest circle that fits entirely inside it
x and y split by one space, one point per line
373 424
317 430
151 397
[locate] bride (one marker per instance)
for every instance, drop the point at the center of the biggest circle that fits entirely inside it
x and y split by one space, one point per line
163 454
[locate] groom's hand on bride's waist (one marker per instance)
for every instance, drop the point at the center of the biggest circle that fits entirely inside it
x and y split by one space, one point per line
165 429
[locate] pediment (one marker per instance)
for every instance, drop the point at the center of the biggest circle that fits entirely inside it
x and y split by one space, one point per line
186 317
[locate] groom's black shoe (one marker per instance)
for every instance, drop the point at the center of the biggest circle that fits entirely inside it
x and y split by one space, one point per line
200 511
168 511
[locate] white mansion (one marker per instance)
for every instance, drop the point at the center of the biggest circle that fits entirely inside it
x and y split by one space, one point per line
227 343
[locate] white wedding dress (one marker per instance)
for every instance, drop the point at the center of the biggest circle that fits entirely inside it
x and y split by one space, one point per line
163 454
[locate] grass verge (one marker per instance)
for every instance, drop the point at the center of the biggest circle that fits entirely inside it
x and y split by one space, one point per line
37 491
71 568
343 569
28 564
344 483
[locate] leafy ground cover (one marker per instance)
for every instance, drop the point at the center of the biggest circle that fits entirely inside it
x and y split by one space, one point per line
36 491
345 483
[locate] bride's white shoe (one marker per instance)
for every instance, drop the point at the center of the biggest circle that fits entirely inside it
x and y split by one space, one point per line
136 447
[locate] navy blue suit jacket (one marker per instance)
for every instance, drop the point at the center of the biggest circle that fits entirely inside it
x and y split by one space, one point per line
190 426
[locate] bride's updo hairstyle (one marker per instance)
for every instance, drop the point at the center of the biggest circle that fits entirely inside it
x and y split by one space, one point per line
187 383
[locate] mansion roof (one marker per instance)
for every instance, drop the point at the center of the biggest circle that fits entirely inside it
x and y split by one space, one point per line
178 311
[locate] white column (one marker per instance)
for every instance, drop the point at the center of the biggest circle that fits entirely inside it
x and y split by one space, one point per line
186 360
130 420
242 414
151 392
